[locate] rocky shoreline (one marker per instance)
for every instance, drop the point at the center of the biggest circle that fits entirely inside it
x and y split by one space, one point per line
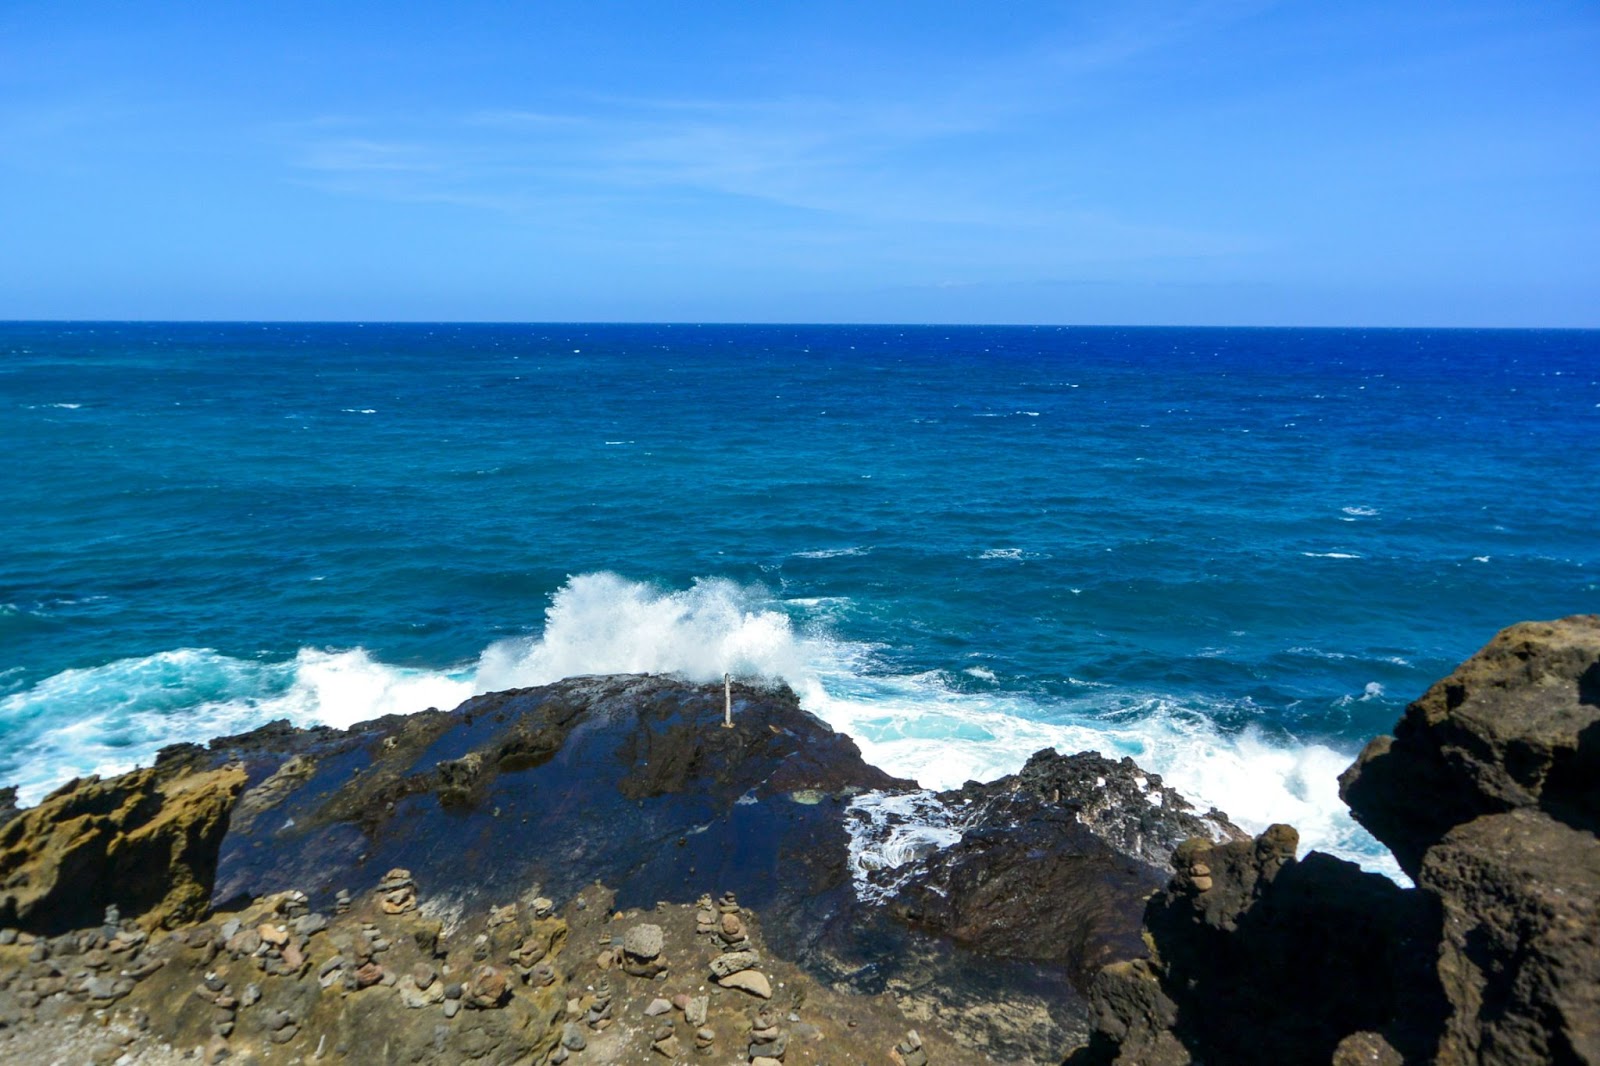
599 871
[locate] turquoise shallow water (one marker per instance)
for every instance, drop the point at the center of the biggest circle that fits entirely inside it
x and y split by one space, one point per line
1234 554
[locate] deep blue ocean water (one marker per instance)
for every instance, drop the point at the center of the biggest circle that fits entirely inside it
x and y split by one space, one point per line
1231 553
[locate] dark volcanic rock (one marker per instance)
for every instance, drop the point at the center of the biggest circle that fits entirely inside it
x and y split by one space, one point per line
1122 804
1517 725
1053 862
453 828
1487 794
630 780
1029 882
1521 951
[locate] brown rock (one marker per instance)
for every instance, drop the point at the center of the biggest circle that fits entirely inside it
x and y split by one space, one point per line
1521 954
489 988
1517 725
752 981
145 841
1366 1049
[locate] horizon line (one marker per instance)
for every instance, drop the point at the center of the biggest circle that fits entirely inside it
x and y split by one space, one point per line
746 324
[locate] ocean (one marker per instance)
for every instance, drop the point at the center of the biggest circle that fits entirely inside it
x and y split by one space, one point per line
1233 554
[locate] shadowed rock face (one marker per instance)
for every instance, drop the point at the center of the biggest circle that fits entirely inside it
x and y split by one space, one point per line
1487 795
1517 725
1265 959
1054 861
145 842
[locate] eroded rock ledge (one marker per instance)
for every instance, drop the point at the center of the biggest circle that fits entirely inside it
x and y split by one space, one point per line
1487 795
596 870
599 872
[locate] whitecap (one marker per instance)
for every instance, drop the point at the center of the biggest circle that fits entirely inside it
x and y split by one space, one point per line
1360 512
1010 553
1330 555
923 726
890 830
832 553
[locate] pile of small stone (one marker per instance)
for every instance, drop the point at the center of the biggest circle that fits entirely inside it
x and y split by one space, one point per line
356 966
214 990
641 951
909 1051
768 1041
599 1015
664 1040
397 892
737 969
572 1039
489 987
705 918
99 965
421 987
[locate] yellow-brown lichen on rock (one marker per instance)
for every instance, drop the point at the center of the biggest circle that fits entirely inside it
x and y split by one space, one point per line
146 841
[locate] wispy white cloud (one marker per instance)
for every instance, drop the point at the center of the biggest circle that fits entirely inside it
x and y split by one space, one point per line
951 154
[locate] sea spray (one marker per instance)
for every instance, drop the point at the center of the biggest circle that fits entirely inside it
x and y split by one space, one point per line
109 718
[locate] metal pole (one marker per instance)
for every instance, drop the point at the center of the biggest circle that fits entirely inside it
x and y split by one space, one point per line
727 701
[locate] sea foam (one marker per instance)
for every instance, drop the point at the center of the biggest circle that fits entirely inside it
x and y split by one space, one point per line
924 726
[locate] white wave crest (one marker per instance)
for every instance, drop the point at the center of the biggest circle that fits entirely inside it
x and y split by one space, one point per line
108 718
890 829
833 553
605 624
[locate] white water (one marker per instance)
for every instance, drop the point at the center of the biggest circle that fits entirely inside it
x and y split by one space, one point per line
109 718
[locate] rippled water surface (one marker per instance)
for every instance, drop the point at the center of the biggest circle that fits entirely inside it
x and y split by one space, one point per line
1233 554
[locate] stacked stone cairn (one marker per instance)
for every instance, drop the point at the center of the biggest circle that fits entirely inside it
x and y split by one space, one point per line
397 892
599 1016
736 966
768 1041
909 1051
641 951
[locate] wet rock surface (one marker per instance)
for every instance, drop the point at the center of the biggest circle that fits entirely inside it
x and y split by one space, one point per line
599 871
1486 794
1053 863
425 888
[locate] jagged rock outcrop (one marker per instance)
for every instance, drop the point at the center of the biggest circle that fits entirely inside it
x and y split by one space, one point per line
1123 804
1515 726
146 842
478 824
1053 862
1262 958
1487 795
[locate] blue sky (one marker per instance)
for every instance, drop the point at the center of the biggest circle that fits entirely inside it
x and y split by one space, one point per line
1207 163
